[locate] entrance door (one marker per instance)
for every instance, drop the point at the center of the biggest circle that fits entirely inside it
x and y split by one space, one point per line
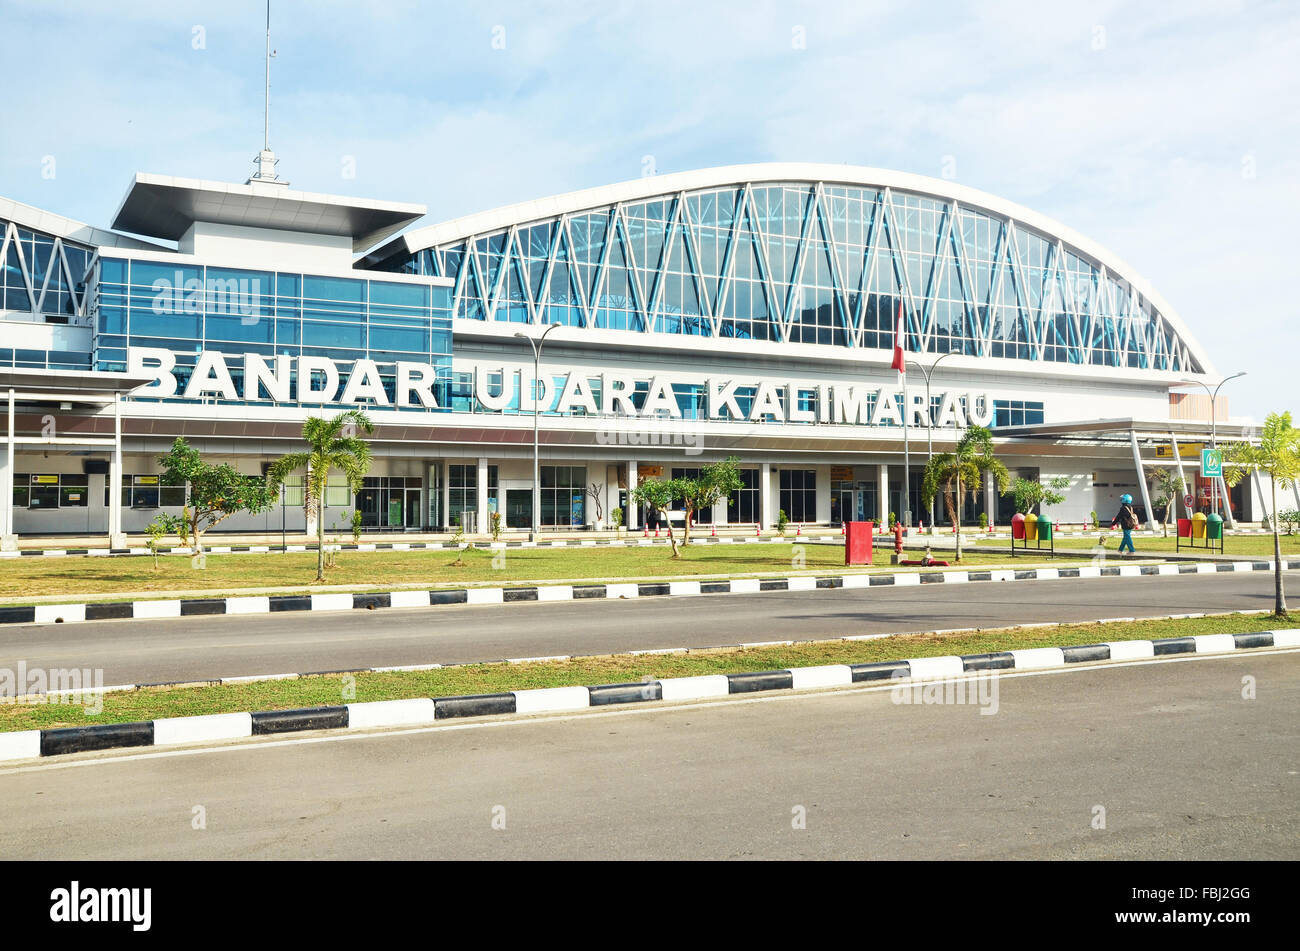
412 512
519 508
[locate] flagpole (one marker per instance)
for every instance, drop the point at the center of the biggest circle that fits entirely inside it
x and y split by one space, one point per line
906 514
907 460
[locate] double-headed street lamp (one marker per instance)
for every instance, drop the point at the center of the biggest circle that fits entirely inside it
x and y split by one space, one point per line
536 343
1214 439
929 416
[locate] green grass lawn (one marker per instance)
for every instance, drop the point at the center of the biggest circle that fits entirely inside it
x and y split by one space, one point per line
30 577
1261 545
155 703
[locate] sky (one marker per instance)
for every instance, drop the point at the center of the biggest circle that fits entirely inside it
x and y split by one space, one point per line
1169 133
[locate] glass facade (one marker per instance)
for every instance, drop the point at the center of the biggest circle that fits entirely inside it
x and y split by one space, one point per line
1016 413
564 491
189 308
798 496
814 263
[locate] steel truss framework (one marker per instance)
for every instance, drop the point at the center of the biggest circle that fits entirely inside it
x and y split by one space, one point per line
42 274
810 262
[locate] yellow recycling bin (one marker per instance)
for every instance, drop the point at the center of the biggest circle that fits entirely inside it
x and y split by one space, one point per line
1031 527
1198 525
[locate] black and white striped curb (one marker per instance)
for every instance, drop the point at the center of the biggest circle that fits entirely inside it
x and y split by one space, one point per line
628 542
173 731
344 601
631 541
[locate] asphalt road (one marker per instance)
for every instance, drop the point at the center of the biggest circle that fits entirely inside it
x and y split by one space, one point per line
1183 766
209 648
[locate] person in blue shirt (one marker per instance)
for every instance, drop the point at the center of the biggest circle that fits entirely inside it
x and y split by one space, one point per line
1126 519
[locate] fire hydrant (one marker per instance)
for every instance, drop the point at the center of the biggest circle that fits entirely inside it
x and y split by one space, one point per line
898 538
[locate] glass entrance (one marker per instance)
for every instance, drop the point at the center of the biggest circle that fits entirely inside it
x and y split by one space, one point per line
412 510
519 508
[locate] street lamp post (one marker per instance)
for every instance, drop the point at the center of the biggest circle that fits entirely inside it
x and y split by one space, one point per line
1214 439
929 418
536 343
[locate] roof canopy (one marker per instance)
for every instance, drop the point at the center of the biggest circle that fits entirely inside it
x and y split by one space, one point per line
160 206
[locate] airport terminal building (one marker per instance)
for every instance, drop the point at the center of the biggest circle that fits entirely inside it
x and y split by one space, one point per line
745 311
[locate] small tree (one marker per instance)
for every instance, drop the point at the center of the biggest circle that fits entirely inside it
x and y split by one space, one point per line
660 493
156 530
1169 486
458 539
616 516
215 493
597 492
782 522
1278 454
332 444
715 482
967 465
494 522
1030 493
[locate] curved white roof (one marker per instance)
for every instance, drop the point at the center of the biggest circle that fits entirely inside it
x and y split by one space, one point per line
446 232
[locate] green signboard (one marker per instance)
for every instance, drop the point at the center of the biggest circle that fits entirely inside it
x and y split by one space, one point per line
1211 463
394 511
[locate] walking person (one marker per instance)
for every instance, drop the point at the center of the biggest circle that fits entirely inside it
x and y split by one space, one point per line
1126 518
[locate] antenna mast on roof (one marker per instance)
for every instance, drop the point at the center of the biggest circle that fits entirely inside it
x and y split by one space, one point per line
266 160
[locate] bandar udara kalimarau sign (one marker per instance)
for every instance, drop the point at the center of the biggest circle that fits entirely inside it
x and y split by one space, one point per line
317 381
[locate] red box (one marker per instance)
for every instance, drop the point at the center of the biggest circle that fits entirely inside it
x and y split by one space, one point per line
857 542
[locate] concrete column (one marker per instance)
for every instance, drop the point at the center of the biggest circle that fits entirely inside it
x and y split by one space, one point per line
1142 481
990 497
824 494
720 512
882 495
1259 492
8 534
310 527
481 505
447 519
1228 520
1187 486
631 517
766 510
116 537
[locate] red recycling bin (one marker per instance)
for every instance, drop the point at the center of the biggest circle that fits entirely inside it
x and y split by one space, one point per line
857 542
1018 527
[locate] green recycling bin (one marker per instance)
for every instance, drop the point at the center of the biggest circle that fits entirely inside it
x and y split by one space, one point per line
1214 527
1045 529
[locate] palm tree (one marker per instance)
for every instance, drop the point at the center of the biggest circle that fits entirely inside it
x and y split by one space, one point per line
333 445
1278 454
967 464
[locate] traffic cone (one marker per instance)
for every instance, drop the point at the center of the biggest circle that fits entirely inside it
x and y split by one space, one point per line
656 531
758 531
645 531
798 529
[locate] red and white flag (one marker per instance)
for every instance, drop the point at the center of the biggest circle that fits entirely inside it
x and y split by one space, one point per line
899 363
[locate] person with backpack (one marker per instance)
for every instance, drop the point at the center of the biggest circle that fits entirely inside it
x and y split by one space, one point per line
1126 518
